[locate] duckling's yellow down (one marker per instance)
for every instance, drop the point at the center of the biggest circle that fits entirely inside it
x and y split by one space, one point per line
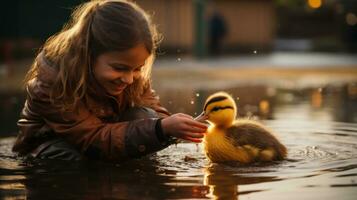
219 149
245 141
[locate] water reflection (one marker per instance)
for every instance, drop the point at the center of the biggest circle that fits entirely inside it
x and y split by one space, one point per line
347 110
53 179
224 181
316 98
317 124
320 155
10 106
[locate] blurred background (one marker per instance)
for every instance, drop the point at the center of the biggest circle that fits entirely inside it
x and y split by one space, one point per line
279 58
290 63
202 27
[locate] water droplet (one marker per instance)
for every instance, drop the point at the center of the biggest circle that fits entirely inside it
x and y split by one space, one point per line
255 51
192 102
197 94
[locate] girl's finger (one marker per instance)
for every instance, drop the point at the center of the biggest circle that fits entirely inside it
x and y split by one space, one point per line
196 124
194 129
196 140
186 116
194 135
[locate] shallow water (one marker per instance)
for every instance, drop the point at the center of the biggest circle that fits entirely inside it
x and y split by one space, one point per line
319 132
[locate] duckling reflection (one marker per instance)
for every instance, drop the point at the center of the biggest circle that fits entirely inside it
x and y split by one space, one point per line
221 184
224 181
241 140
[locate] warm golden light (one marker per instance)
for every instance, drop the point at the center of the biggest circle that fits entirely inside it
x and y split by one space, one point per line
352 90
222 184
315 3
264 107
12 186
316 99
351 19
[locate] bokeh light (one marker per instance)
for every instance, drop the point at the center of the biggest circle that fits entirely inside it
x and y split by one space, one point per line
315 3
351 19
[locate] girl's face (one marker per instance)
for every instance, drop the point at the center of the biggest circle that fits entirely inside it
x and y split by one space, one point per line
116 70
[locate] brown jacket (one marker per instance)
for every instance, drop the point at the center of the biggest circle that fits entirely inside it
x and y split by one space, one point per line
94 129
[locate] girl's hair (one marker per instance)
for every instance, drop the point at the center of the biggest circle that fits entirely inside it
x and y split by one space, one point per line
96 27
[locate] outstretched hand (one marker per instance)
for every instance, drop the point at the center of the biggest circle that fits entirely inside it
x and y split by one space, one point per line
183 126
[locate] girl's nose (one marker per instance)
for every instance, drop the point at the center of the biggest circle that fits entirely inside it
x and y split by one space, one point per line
128 78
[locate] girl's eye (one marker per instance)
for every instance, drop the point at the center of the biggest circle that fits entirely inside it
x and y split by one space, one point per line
118 68
138 69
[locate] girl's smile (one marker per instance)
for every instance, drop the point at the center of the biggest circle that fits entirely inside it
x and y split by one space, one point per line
119 85
116 70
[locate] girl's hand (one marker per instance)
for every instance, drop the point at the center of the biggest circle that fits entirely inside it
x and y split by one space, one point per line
183 126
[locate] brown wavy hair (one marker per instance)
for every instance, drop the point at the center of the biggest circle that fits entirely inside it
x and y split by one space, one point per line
97 27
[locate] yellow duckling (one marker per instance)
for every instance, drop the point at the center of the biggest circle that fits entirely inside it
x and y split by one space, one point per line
241 140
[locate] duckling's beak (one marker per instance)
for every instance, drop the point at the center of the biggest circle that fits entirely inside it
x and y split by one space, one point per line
202 117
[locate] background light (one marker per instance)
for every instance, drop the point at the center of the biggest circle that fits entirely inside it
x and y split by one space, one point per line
315 3
351 19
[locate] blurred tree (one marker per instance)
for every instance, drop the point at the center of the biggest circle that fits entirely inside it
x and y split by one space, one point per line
200 27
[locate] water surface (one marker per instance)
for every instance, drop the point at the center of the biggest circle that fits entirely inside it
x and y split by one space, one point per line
318 126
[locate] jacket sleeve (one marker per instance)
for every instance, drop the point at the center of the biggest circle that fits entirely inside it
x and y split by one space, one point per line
90 135
152 101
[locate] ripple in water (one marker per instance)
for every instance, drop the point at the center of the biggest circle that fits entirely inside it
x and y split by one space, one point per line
321 164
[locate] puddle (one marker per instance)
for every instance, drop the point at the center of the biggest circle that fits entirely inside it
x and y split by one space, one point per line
318 126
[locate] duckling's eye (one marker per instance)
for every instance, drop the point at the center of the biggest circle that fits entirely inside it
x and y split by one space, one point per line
214 109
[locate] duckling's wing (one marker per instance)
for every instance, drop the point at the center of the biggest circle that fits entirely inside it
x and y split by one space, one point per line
252 133
257 139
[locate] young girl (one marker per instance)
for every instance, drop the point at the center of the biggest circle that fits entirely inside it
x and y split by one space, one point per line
89 93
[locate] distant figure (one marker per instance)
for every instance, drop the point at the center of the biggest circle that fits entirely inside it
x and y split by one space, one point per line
217 31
